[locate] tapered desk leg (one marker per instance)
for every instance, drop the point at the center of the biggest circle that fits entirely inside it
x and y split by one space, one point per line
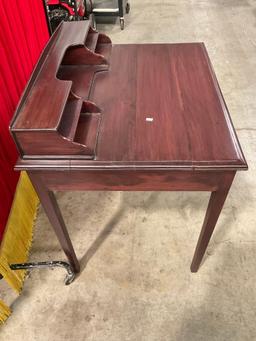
52 210
214 208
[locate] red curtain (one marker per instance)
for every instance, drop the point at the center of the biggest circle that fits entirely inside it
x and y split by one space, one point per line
23 34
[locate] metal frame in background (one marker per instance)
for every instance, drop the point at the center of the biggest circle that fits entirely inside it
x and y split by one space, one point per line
47 11
51 264
47 17
113 12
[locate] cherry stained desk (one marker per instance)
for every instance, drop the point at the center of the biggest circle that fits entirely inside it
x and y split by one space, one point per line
97 116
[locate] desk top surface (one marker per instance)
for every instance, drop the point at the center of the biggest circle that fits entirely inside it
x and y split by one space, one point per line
161 107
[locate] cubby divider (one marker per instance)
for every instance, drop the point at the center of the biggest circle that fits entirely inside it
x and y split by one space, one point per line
66 123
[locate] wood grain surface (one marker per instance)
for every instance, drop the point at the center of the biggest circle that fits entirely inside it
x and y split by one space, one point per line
164 105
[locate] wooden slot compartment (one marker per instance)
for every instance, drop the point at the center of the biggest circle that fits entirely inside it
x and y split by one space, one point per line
87 130
81 77
70 117
91 40
104 49
88 126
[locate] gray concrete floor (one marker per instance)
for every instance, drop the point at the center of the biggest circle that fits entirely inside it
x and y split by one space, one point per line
136 248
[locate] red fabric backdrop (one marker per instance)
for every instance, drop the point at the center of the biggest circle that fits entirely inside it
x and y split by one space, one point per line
23 34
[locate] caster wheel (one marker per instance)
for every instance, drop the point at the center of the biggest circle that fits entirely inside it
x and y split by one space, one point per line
122 23
127 8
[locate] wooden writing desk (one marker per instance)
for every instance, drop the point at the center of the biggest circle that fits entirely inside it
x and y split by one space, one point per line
97 116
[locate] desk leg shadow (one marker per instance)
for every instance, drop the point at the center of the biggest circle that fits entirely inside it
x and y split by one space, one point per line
102 236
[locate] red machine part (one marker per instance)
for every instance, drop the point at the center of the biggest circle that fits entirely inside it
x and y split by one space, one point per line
69 6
